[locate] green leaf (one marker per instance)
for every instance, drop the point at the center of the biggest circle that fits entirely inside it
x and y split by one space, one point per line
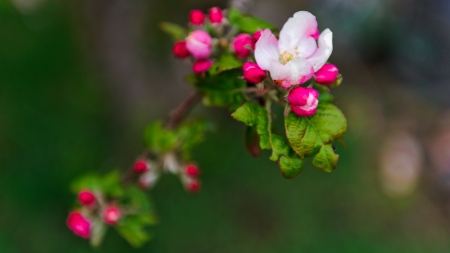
175 31
308 136
254 115
324 94
138 200
132 228
190 134
111 184
247 24
159 139
225 62
326 159
223 90
88 182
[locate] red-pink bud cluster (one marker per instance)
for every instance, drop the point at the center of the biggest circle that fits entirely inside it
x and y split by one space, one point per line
190 178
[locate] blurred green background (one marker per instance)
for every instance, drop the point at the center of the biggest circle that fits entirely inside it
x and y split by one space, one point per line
79 80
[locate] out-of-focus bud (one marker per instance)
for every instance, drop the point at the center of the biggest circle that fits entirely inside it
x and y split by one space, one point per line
193 186
303 101
79 224
199 44
111 215
86 198
192 170
256 37
253 73
327 74
180 50
201 65
196 17
141 166
215 15
242 45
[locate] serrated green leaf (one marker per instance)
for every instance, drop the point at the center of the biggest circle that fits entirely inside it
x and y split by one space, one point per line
159 139
225 62
190 134
175 31
252 25
138 200
307 136
326 159
111 184
222 90
254 115
132 228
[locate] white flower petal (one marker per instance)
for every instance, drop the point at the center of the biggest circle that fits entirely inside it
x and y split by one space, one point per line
296 34
320 57
300 71
266 50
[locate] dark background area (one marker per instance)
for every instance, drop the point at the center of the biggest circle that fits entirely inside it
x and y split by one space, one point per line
79 81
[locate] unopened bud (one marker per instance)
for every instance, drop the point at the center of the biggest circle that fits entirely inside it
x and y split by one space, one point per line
215 15
327 74
303 101
242 45
79 224
111 215
180 50
199 44
193 186
86 198
253 73
196 17
256 37
201 65
141 166
192 170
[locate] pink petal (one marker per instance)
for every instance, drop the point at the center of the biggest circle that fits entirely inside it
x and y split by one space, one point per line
320 57
266 50
297 34
300 71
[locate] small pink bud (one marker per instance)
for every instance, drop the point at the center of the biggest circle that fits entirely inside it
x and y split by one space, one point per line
327 74
141 166
180 50
303 101
112 215
79 224
197 17
242 44
86 198
193 186
253 73
215 15
192 170
256 37
199 44
201 65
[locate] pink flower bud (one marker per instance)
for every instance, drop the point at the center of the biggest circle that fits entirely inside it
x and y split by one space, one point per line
256 37
215 15
327 74
141 166
192 170
79 225
112 215
199 44
196 17
242 44
253 73
303 101
193 186
201 65
86 198
180 50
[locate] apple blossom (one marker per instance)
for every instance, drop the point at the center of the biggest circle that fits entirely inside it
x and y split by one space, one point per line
201 66
111 215
295 57
86 198
79 224
215 15
303 101
241 45
327 74
199 44
253 73
180 50
196 17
